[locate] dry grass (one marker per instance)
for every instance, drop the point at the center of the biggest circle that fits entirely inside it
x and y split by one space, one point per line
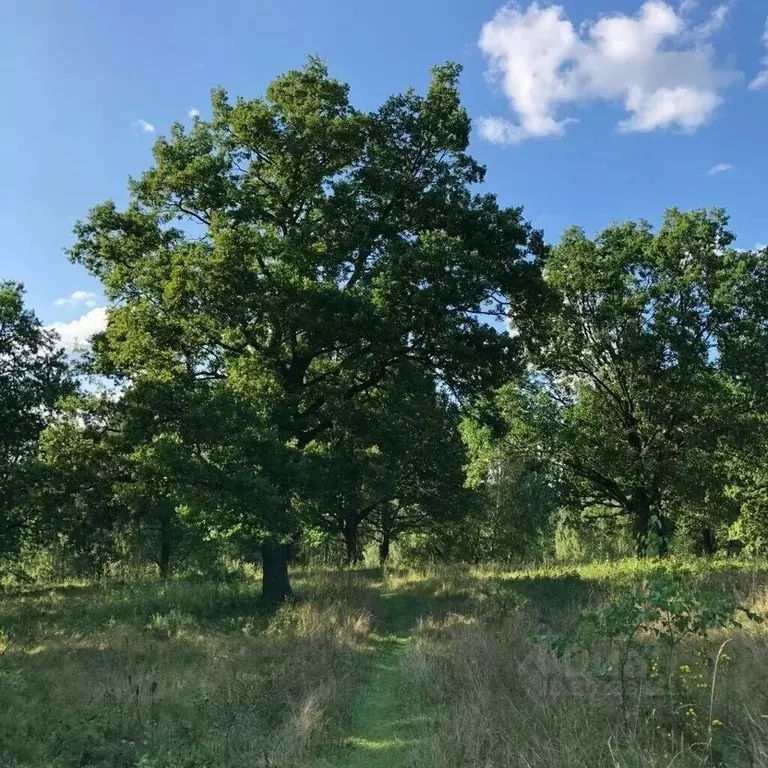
181 676
499 697
194 675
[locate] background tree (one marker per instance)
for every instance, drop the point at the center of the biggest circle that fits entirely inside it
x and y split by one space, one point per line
744 353
425 465
293 253
394 464
516 501
628 397
124 467
80 466
33 376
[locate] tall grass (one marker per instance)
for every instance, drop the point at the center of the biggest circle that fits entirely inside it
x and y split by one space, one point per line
185 675
499 696
201 674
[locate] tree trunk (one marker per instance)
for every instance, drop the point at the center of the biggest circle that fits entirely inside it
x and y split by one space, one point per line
166 539
351 544
384 549
275 586
164 561
641 519
708 544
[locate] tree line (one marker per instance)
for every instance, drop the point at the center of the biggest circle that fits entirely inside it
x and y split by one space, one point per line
321 325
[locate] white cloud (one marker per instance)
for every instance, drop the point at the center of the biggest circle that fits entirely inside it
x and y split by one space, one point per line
145 126
78 332
87 298
193 113
498 130
719 168
714 24
755 247
656 63
761 80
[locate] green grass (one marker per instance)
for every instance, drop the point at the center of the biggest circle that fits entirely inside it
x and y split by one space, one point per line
382 725
442 667
384 722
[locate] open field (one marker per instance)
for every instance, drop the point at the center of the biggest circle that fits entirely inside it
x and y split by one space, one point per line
450 667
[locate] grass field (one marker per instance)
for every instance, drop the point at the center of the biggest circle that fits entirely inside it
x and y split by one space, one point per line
450 667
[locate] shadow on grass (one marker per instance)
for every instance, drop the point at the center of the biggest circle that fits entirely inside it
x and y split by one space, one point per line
217 671
550 598
385 722
396 603
213 607
125 677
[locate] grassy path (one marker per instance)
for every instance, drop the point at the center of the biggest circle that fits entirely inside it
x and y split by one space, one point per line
381 725
384 721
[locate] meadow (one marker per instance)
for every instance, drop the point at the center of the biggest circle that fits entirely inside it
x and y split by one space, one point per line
443 667
321 338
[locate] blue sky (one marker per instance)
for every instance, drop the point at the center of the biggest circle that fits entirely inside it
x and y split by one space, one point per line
586 111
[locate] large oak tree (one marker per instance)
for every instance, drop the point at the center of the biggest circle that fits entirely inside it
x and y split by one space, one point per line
293 252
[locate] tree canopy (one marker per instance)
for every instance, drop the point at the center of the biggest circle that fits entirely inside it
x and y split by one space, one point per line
628 396
322 326
292 253
33 376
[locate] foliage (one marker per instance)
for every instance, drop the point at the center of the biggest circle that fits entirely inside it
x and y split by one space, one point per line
655 629
394 463
517 499
293 253
627 399
497 697
33 376
116 478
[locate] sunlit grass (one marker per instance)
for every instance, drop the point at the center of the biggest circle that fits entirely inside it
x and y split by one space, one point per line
177 675
376 745
444 666
502 697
